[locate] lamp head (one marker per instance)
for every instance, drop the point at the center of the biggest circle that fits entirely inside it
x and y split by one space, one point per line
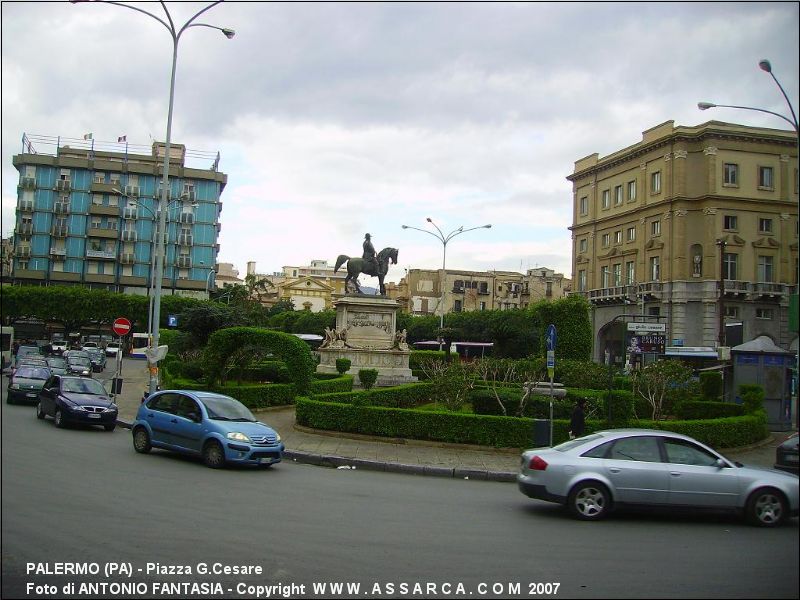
705 105
404 226
429 220
228 33
765 65
489 226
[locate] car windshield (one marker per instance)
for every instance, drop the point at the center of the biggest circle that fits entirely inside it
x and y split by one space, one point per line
83 386
569 445
32 373
79 360
57 362
226 409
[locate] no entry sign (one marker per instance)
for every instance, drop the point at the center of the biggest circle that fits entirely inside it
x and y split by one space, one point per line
121 326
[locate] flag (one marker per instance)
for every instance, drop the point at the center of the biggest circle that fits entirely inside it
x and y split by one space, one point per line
88 136
122 138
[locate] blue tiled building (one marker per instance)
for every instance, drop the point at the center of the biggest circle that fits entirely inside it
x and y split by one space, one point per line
87 215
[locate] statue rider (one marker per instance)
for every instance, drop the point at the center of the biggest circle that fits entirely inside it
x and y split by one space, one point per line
369 256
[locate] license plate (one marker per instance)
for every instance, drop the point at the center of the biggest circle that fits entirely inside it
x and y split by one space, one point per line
94 416
265 460
792 458
31 394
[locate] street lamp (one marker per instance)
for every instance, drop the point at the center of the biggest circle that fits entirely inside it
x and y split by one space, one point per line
444 239
766 66
159 266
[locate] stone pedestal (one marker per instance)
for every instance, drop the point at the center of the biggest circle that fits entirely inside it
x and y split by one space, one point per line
366 334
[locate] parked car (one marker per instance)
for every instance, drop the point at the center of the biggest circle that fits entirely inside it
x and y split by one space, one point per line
87 345
58 346
218 428
25 383
98 359
593 474
27 350
76 352
70 399
57 365
78 365
786 455
112 348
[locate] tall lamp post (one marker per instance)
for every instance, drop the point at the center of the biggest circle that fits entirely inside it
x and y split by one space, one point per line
159 263
439 235
766 66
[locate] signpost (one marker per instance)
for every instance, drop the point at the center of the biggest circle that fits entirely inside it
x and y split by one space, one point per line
121 327
550 340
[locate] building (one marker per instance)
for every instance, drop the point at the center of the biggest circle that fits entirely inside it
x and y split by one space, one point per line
227 275
660 226
420 291
311 287
86 215
6 258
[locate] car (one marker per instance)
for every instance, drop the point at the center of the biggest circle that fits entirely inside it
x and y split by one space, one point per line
98 359
217 428
58 346
30 361
27 350
87 345
786 455
75 352
112 348
593 474
25 383
70 399
78 365
57 365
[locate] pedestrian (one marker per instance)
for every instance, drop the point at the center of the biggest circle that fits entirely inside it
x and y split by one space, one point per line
577 423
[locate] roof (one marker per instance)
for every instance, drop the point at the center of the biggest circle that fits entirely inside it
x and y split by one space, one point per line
762 344
691 351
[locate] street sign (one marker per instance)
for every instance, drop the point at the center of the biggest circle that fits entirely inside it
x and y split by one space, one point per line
172 321
121 326
647 327
551 364
551 338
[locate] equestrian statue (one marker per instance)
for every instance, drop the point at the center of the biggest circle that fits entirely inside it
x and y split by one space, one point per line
375 265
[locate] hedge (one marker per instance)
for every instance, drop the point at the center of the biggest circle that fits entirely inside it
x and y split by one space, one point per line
330 385
260 395
708 410
728 432
417 357
408 395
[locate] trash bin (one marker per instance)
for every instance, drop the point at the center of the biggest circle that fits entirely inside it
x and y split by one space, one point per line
541 432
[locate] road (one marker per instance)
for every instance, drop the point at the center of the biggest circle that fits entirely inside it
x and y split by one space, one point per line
80 495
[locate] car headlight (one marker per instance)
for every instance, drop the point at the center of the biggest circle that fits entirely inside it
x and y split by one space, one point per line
75 407
112 408
238 436
277 437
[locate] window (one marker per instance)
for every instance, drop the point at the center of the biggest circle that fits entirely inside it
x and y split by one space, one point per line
606 239
605 276
640 448
655 228
457 306
731 311
765 225
583 245
618 237
95 223
618 195
655 182
729 266
632 191
631 234
730 222
584 206
654 311
764 313
582 281
617 274
606 199
765 177
655 268
765 269
630 272
684 452
483 305
730 174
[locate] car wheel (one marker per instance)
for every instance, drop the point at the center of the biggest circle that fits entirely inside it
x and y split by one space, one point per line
59 419
766 508
213 455
589 501
141 440
39 411
110 427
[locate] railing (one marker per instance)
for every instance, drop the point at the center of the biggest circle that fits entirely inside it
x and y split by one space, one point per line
736 287
61 208
110 254
63 185
58 251
128 236
129 213
57 231
185 240
771 289
26 205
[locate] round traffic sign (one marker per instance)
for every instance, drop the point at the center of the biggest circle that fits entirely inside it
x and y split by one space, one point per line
121 326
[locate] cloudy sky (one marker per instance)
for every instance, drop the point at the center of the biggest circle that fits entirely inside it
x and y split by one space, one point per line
337 119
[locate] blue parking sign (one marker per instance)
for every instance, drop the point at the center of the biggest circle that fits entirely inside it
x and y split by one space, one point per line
172 321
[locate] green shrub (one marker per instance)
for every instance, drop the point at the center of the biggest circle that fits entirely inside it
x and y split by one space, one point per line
408 395
343 365
417 357
618 408
272 371
693 410
367 377
260 396
752 398
622 382
192 370
728 432
329 385
581 374
710 385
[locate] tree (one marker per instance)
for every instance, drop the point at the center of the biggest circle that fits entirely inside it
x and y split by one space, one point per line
202 321
500 373
657 381
451 381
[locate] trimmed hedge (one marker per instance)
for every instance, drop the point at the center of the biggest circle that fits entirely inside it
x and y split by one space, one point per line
708 410
330 385
417 357
408 395
537 407
618 408
728 432
367 378
260 395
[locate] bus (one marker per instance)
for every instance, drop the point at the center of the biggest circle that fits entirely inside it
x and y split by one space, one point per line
6 344
139 344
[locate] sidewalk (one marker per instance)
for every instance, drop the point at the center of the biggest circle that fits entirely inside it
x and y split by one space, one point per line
336 449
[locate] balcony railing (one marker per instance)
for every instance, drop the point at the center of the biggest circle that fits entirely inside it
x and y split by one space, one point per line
58 231
26 205
58 251
771 289
129 236
63 185
24 251
27 183
107 254
734 287
185 240
61 208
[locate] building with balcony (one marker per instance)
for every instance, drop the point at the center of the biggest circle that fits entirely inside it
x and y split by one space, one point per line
87 215
312 287
694 227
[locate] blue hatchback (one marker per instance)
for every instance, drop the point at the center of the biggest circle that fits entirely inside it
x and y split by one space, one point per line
218 428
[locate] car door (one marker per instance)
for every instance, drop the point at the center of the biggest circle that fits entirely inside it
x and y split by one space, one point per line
635 469
47 396
186 426
695 479
159 413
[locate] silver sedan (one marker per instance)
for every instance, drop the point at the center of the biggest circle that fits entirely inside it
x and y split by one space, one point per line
593 474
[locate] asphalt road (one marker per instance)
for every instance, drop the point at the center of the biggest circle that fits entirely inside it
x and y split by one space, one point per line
81 495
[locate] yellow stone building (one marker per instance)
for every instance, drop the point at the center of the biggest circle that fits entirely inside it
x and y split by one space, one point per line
658 226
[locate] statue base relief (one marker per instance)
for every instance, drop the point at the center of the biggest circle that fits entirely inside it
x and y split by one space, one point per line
366 334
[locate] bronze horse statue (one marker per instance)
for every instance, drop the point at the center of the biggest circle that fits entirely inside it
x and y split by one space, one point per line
356 266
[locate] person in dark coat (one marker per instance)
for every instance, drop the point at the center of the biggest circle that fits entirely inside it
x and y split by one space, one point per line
577 423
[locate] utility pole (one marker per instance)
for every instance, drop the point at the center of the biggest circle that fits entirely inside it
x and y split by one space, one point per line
721 336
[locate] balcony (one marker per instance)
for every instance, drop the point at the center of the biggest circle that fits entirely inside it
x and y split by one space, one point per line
457 290
63 185
186 217
128 259
609 295
129 235
101 187
132 191
185 262
129 213
61 208
59 231
27 183
104 209
185 239
24 252
104 254
58 251
771 290
103 233
651 290
26 205
735 288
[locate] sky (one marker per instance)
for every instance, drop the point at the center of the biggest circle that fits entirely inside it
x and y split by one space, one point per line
333 120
